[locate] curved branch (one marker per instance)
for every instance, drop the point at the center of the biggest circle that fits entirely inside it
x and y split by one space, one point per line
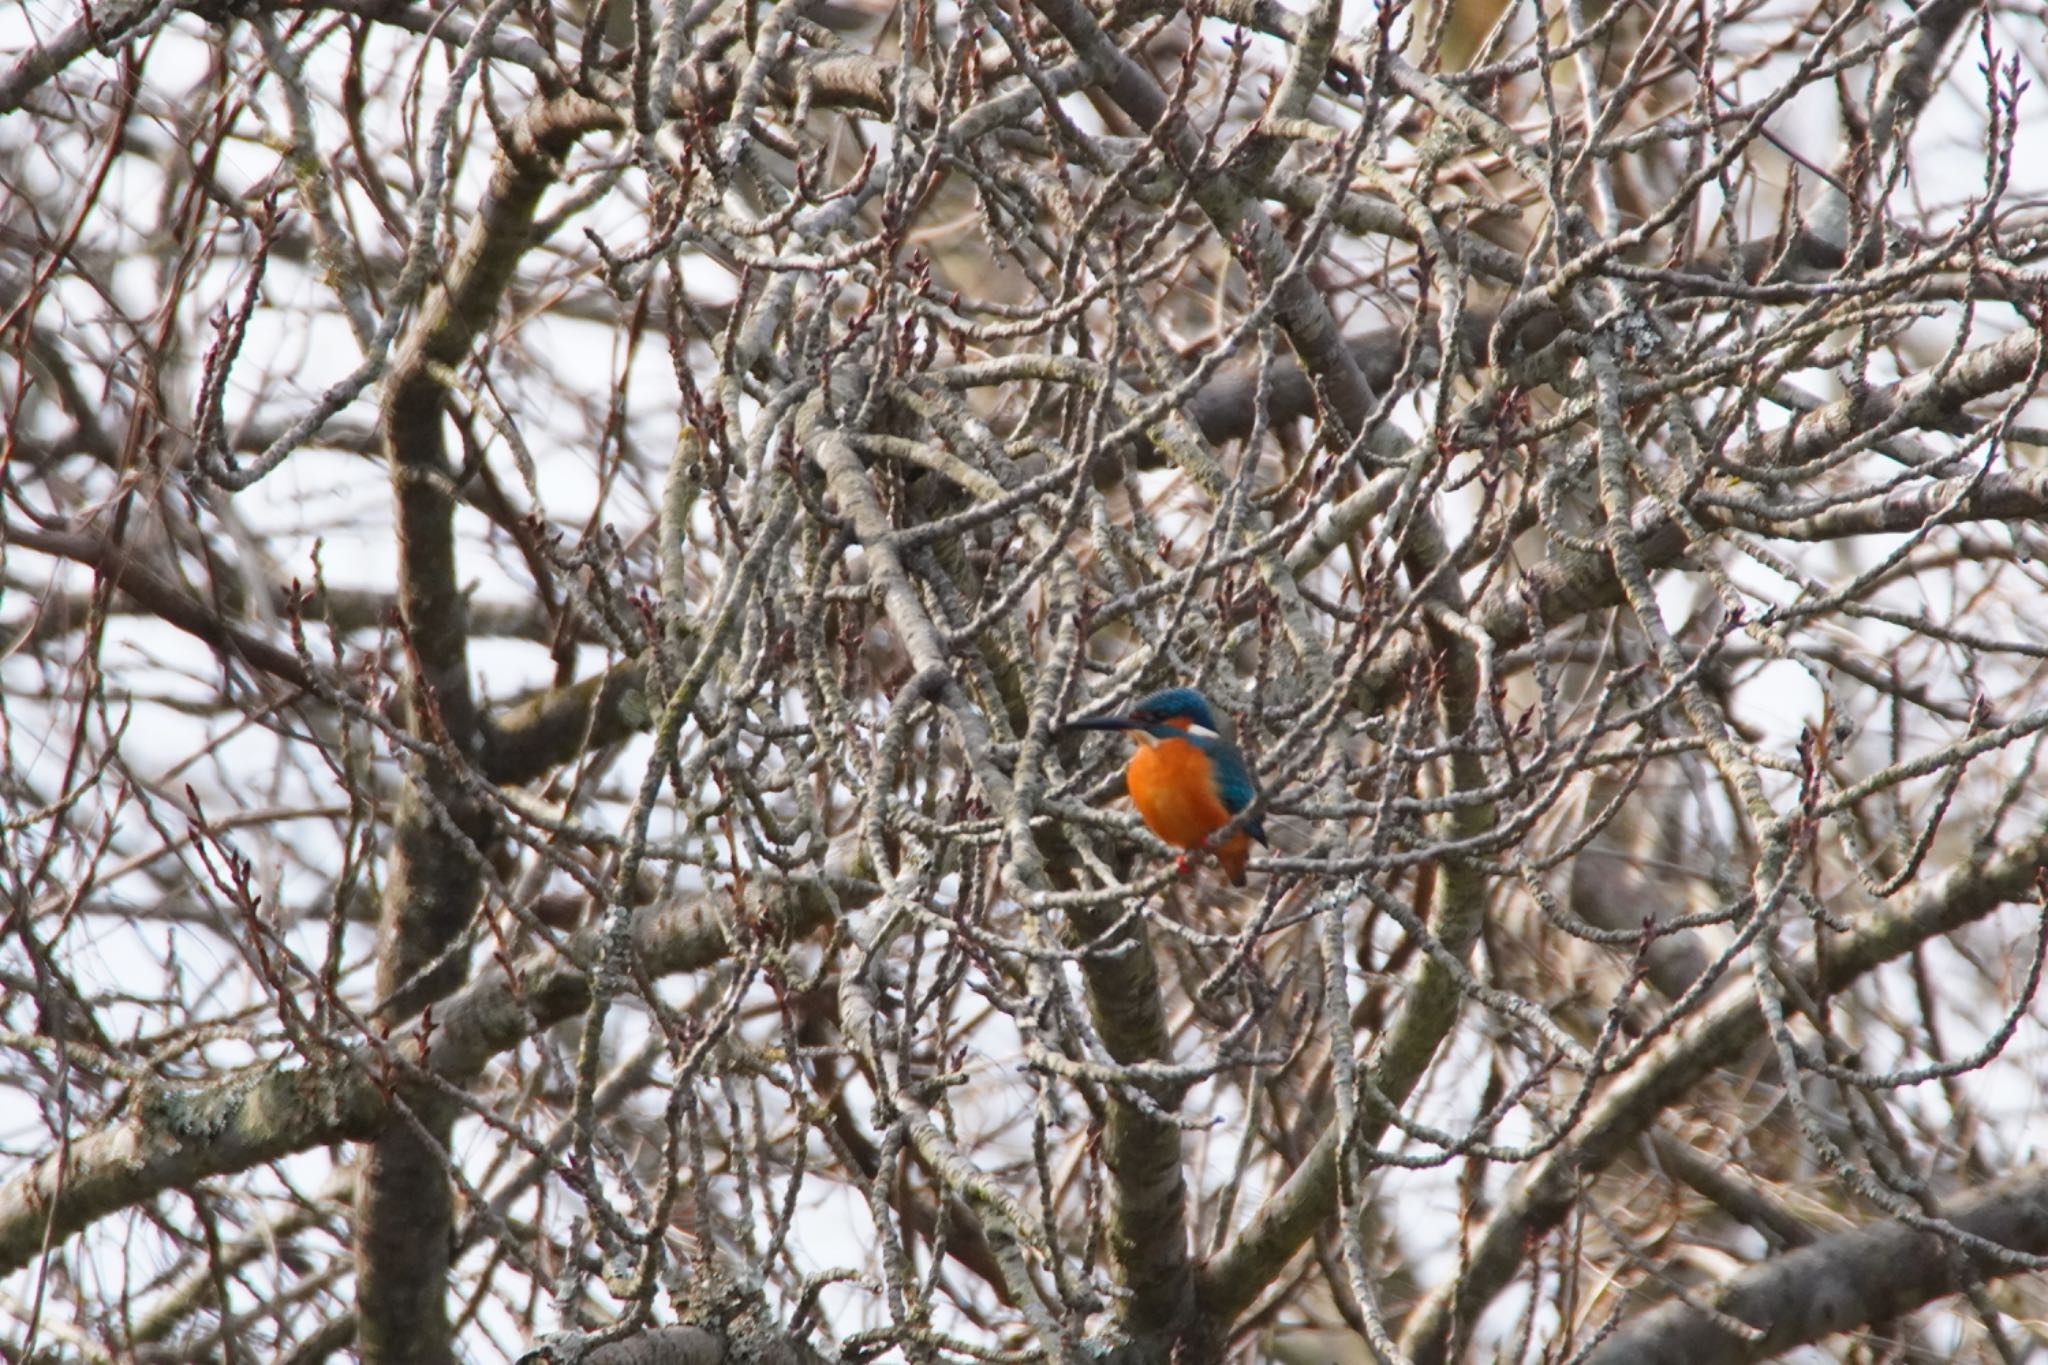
1551 1185
162 598
404 1202
1857 1279
1572 583
168 1139
98 31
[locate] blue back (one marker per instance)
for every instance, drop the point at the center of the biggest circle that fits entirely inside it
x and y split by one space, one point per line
1233 780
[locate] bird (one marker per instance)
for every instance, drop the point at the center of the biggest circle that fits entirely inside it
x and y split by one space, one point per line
1186 779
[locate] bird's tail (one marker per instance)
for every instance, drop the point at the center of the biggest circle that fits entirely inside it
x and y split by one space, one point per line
1231 858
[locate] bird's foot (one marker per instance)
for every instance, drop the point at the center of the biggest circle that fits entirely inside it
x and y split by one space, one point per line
1184 865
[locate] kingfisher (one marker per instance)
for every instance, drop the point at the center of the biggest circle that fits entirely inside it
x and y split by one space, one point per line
1186 779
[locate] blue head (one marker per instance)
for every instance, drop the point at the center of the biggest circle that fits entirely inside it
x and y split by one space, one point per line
1175 706
1163 715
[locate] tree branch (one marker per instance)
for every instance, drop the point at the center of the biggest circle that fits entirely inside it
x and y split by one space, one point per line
1549 1187
1857 1279
166 1139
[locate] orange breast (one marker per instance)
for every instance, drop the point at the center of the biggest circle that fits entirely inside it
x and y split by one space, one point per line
1169 782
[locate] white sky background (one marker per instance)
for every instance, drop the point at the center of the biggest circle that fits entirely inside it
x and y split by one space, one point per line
339 502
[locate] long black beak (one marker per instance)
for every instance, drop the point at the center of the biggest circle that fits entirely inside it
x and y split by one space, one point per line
1102 723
